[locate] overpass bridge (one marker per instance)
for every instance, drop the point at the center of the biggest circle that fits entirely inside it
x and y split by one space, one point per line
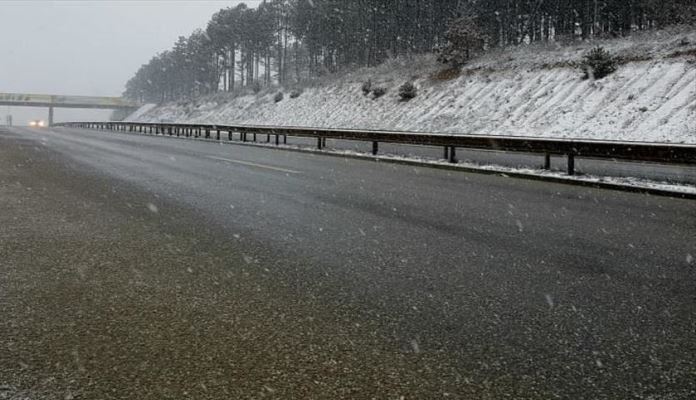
59 101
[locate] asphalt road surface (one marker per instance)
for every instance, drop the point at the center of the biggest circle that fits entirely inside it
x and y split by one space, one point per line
133 267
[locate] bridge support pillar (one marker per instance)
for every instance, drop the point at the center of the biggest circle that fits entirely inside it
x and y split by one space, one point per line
50 116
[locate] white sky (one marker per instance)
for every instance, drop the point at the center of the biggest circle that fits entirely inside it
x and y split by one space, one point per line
87 47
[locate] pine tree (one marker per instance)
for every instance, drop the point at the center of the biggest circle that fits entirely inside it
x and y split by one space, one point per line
463 38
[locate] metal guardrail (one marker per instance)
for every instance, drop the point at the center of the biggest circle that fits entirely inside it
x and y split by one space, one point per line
661 153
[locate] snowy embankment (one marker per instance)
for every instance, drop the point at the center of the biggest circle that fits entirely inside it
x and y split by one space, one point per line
532 91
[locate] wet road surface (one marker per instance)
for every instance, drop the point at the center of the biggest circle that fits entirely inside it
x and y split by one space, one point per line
136 267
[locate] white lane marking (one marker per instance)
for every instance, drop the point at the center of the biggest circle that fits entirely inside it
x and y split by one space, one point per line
251 164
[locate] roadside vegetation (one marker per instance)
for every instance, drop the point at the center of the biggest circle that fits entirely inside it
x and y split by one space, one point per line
598 64
286 42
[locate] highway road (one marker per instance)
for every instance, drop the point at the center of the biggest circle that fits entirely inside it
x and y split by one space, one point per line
137 267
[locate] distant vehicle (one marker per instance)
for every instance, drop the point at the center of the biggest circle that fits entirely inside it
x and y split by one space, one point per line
37 123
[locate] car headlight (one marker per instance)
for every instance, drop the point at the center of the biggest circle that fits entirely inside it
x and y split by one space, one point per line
32 123
41 123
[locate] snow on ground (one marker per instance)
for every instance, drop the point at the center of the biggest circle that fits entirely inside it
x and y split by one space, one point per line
139 113
530 91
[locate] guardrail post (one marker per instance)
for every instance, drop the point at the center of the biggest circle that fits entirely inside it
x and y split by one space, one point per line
207 133
229 135
277 140
285 139
243 137
218 134
268 138
453 155
547 161
446 156
319 143
571 164
375 148
254 138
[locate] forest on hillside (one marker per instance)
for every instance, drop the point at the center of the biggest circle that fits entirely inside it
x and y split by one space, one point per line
287 41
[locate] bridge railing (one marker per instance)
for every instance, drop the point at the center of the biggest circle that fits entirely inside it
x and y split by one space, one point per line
662 153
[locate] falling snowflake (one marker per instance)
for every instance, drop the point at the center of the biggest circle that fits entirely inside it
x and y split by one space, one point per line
549 300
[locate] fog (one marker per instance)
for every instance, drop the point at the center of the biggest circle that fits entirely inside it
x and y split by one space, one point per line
86 47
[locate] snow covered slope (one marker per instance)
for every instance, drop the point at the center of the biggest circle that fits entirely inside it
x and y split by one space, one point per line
533 91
